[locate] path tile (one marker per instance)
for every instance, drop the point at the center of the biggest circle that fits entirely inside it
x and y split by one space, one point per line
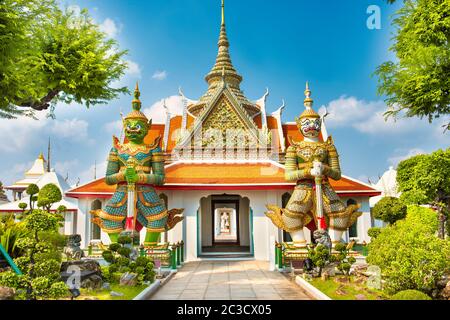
229 280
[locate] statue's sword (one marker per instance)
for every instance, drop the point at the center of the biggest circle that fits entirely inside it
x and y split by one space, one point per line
319 204
131 202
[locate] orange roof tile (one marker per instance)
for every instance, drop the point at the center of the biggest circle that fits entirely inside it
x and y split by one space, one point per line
266 175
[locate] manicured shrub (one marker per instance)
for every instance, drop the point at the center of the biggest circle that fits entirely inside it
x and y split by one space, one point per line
124 240
124 251
410 295
48 195
374 232
389 210
409 253
114 247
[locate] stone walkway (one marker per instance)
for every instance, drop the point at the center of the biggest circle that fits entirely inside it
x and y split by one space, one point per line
229 280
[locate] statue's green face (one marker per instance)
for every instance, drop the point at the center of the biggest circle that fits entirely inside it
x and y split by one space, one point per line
136 130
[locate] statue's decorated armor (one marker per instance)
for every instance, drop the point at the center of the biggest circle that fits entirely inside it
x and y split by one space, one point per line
300 211
148 164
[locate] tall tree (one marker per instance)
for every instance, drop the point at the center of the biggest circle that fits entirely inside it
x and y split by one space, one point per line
48 55
418 82
425 179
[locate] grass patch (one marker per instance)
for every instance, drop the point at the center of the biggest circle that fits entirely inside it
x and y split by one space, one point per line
129 293
347 291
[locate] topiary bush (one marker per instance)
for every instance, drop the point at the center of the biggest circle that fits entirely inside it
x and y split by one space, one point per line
344 262
118 256
410 295
389 210
48 195
373 232
409 253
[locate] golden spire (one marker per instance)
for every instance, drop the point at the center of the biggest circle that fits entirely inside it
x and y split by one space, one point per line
308 102
136 103
41 156
136 106
223 12
223 59
223 71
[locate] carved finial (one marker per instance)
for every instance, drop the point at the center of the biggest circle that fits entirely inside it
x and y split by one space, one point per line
136 103
308 100
223 12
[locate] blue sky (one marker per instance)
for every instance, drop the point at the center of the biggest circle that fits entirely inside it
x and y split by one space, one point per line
274 44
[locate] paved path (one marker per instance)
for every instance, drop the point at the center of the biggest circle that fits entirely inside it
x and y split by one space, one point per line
229 280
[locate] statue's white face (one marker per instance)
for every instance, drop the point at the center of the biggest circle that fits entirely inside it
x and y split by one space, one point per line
310 127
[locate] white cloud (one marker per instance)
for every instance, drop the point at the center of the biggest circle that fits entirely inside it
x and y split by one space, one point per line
98 169
18 134
114 127
160 75
65 167
110 27
157 111
133 69
21 133
73 129
367 117
401 154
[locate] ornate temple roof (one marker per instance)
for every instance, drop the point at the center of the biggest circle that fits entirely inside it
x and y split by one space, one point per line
223 70
46 178
264 175
37 170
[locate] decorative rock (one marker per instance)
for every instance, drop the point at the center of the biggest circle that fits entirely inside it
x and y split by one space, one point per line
106 286
360 297
325 276
94 282
116 294
340 291
73 249
322 237
7 293
330 269
128 279
446 292
341 280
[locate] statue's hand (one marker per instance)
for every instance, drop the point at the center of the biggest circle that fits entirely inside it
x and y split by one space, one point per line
317 169
131 175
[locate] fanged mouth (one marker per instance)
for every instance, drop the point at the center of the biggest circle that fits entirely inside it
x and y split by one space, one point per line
133 131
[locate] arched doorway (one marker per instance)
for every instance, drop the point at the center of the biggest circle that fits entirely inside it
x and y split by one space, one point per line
96 232
224 226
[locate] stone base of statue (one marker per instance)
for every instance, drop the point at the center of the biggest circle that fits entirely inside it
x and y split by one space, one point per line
134 235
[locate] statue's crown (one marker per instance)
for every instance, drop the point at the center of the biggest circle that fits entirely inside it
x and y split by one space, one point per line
308 103
136 113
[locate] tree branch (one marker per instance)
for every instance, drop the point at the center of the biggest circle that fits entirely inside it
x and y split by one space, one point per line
42 104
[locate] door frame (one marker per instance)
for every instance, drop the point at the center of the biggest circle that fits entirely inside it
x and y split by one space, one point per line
213 208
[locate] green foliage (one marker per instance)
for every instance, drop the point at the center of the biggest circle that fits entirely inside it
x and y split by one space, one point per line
409 254
10 233
425 179
120 262
344 262
108 256
410 295
419 82
40 220
32 189
40 259
48 195
22 205
115 246
374 232
124 240
70 58
320 256
389 210
124 252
